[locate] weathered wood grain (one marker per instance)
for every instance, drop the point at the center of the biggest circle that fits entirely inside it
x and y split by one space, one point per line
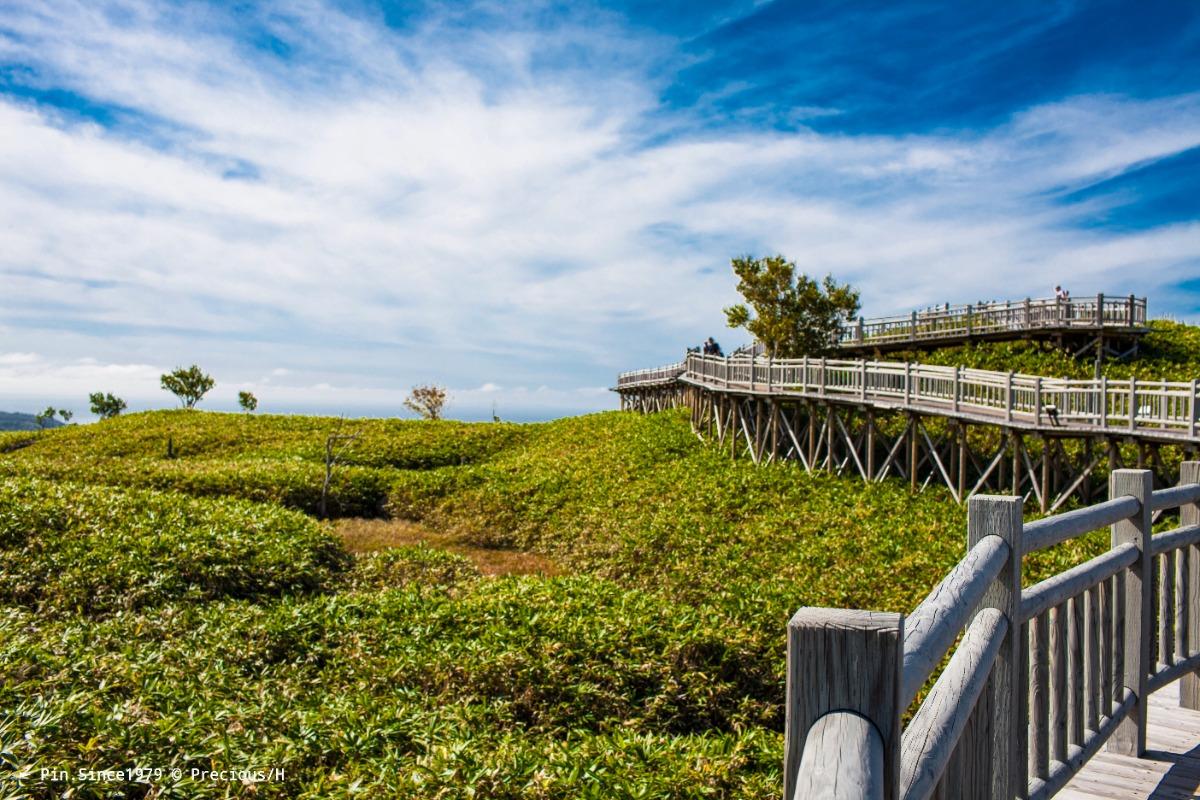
1002 516
931 737
1130 736
1189 515
1050 531
842 760
932 628
843 660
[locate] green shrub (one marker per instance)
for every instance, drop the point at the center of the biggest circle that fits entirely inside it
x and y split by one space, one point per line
95 550
511 688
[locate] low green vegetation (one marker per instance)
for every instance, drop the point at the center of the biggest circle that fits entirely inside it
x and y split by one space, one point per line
189 611
1171 352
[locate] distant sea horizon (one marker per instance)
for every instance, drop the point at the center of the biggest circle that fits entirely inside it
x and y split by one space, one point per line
462 414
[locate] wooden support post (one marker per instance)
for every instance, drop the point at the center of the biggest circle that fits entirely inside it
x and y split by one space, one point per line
1001 516
829 439
1189 514
1017 446
774 428
842 661
759 431
1006 437
1100 311
812 437
963 455
870 444
1130 736
913 444
1045 503
735 421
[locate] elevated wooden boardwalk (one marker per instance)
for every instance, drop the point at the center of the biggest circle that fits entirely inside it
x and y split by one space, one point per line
1111 325
832 414
1170 769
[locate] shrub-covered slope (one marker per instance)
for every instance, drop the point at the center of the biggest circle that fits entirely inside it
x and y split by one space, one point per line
151 615
94 550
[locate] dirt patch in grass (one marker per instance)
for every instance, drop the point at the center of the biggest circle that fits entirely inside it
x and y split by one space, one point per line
370 535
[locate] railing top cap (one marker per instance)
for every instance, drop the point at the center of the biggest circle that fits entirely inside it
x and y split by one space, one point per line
843 618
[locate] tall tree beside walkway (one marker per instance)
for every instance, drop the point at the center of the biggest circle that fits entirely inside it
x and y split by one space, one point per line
189 385
790 314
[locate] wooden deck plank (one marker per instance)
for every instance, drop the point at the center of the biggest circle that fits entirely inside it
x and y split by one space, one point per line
1170 770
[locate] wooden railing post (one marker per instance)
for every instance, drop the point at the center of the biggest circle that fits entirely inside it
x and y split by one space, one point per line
1189 514
1100 310
1037 401
1133 404
1103 402
1008 398
843 661
969 321
1001 516
1132 303
1130 736
1192 409
914 326
1028 321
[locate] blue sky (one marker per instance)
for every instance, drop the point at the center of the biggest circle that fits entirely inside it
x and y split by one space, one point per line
327 203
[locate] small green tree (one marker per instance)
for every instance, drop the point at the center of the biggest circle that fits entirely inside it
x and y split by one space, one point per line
65 414
247 401
106 406
427 401
43 419
189 385
791 315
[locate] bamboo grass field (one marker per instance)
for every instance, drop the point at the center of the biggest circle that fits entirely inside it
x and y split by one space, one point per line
590 607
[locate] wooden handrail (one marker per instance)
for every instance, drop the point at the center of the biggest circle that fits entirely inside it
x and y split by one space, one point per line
1043 657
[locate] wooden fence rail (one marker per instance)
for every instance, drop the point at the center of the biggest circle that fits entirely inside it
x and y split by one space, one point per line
1166 408
1043 677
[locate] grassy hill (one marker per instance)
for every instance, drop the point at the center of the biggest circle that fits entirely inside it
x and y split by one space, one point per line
189 611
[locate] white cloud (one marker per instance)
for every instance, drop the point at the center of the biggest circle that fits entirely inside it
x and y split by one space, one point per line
424 213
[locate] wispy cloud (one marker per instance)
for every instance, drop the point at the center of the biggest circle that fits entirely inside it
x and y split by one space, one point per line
499 204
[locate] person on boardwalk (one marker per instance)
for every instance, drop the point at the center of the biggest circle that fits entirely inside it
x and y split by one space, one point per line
711 348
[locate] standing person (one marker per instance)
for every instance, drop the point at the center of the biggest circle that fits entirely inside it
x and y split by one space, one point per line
1059 294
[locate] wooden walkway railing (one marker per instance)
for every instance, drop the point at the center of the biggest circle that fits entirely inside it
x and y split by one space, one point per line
1043 677
1169 411
1123 314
